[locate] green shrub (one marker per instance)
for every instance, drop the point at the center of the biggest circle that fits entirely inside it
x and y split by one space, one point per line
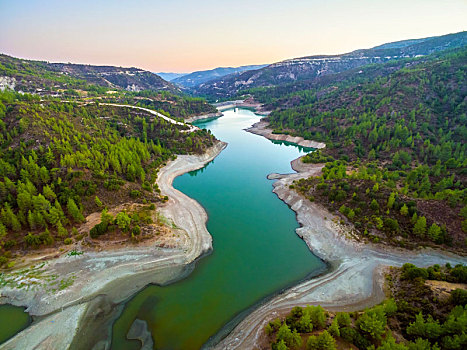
98 230
459 297
135 194
136 230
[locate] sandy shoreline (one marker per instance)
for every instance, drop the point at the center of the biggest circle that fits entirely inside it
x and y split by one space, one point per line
261 128
248 103
203 116
102 280
223 106
356 277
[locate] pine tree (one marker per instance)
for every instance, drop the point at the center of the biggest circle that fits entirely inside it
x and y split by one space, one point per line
419 228
295 340
281 346
31 220
317 316
49 193
334 328
106 218
2 231
374 205
326 341
98 202
74 211
304 324
62 231
13 220
343 319
284 334
373 323
391 200
312 343
434 232
268 329
44 175
390 344
123 221
404 210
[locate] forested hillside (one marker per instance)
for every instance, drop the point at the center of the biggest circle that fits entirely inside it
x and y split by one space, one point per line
427 310
164 102
396 150
30 75
60 161
305 70
104 83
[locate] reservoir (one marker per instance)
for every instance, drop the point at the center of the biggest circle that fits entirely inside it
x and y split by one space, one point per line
256 251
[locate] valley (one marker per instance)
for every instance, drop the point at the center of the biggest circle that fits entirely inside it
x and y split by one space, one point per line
135 214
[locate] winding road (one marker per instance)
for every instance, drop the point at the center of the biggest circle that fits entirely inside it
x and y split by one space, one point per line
191 128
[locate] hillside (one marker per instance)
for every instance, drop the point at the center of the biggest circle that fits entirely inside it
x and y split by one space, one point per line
174 105
103 83
310 68
194 79
396 150
60 162
40 77
426 310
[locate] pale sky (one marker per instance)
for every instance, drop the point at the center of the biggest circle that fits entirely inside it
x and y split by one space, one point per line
184 35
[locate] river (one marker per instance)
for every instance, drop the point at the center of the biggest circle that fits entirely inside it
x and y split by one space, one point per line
256 251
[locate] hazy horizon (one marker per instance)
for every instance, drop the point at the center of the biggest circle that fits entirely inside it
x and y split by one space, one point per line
183 36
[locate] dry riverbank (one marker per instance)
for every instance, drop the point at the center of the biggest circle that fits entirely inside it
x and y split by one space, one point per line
204 116
356 276
248 103
95 282
261 128
223 106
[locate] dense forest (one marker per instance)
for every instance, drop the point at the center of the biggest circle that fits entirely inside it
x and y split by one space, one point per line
85 82
396 152
167 103
30 75
60 161
426 310
298 73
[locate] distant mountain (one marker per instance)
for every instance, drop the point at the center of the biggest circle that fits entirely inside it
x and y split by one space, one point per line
308 68
170 76
29 76
200 77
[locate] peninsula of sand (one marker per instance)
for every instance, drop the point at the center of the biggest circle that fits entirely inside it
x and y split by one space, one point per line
98 282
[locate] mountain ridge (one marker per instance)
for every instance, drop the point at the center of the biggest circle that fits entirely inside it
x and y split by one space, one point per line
31 75
311 67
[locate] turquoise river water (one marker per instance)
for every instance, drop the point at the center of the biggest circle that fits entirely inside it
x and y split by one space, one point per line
256 251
